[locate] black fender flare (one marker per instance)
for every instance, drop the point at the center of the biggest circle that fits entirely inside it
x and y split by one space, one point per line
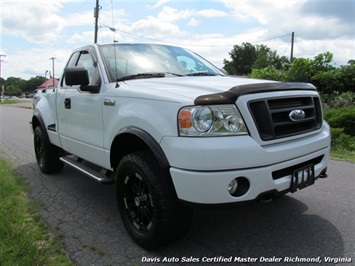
150 142
40 123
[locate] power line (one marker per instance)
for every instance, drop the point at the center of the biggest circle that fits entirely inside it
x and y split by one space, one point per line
289 44
273 38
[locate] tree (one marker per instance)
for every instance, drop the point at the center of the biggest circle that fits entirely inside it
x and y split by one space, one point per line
262 54
300 70
322 62
338 80
268 58
33 83
319 71
13 83
13 90
243 57
17 86
246 57
347 74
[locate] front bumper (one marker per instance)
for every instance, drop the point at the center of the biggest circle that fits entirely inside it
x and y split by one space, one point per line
202 168
211 187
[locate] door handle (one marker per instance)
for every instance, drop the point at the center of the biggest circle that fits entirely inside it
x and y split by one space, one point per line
67 103
109 102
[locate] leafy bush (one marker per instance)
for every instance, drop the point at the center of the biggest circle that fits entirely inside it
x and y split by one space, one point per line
342 122
342 118
342 141
338 100
269 73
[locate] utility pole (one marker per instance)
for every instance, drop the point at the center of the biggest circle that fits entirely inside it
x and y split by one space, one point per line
96 16
1 86
53 58
292 41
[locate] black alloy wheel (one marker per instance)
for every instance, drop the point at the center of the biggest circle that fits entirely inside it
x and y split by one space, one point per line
138 203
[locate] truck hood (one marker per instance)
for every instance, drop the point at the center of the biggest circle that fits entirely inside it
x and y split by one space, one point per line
184 89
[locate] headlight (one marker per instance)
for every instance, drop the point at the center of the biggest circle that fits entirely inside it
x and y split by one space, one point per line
215 120
233 123
202 119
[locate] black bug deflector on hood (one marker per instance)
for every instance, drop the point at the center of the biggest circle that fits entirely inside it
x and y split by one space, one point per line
230 96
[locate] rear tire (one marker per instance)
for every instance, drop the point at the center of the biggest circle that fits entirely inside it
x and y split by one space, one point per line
47 155
147 202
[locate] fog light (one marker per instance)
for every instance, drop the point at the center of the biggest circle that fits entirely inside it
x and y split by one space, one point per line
232 187
238 186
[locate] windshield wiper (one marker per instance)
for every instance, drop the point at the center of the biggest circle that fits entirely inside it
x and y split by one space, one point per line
148 75
201 74
142 76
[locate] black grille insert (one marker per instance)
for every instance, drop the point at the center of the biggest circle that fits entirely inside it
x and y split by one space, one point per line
272 116
288 171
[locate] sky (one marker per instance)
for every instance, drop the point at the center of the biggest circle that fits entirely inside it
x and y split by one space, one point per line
33 32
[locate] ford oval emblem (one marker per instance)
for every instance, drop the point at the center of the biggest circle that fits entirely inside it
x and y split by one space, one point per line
297 115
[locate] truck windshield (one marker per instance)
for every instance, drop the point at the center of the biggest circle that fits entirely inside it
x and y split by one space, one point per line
132 61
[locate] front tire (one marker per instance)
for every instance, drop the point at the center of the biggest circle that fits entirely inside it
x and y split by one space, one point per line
47 155
147 202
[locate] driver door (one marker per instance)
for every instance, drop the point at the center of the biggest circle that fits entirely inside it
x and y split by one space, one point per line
80 113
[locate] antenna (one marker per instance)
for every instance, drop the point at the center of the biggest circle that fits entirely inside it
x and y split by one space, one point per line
114 49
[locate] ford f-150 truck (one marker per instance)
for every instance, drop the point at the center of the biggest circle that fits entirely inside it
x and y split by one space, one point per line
171 131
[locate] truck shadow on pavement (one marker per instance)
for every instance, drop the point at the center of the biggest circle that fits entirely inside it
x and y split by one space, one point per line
280 228
85 214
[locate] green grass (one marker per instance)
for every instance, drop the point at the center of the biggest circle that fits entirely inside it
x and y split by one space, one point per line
9 101
24 238
343 155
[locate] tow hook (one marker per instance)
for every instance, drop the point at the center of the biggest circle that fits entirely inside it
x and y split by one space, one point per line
265 200
323 174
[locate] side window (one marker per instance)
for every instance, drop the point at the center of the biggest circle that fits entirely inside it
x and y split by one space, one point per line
73 59
86 61
71 63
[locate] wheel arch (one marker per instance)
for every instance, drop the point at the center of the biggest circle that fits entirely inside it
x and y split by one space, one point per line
38 121
132 139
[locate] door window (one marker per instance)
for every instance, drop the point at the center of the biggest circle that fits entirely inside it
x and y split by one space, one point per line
86 61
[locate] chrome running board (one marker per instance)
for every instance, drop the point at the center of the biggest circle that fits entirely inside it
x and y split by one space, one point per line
87 170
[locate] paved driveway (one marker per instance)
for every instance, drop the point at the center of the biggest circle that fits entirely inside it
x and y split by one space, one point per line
315 222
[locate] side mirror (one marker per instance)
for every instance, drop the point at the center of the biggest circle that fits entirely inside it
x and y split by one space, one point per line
79 76
76 76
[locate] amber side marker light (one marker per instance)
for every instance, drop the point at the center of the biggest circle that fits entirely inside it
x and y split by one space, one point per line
185 119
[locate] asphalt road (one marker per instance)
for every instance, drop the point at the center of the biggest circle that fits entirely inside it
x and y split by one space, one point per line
318 221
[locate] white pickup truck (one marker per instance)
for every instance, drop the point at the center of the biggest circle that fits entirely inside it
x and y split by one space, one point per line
171 131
